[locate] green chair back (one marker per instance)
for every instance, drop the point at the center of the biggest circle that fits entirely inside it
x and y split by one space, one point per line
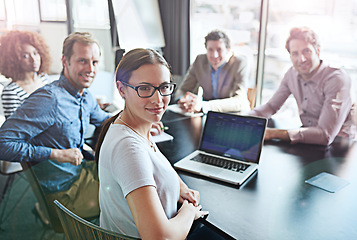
41 197
76 228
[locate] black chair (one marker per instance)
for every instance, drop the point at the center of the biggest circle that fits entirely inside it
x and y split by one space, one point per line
77 228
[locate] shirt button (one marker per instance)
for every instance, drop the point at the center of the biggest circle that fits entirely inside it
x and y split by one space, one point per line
305 98
304 111
305 84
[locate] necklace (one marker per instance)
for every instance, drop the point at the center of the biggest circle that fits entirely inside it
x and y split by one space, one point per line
147 140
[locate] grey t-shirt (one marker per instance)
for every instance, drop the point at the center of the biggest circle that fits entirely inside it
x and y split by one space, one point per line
126 163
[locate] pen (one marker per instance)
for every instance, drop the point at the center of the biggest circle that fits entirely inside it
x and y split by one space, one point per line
165 128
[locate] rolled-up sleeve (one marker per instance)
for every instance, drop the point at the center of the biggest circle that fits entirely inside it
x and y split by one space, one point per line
18 131
334 112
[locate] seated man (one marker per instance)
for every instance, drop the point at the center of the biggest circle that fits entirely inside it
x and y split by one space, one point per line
222 76
50 125
322 94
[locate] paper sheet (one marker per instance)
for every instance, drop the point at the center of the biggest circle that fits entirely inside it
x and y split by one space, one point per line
327 182
162 137
175 108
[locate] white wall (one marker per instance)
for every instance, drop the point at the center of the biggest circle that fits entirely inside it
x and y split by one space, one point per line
54 34
103 37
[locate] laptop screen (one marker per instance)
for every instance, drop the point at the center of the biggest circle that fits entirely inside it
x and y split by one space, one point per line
234 136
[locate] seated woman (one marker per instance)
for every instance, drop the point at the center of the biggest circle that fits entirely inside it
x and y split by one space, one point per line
139 189
25 58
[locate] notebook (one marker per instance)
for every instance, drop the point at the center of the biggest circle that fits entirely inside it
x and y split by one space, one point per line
229 149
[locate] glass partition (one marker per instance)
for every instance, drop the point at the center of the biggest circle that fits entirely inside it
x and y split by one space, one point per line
2 10
139 24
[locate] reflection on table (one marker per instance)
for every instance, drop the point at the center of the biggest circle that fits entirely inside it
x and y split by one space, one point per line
275 203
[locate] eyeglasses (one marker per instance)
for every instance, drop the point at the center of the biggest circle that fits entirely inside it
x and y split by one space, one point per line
147 90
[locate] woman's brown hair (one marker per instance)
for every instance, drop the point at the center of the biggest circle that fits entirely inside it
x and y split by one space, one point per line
131 61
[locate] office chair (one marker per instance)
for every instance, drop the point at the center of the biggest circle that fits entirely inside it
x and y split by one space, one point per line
252 94
30 174
76 228
10 170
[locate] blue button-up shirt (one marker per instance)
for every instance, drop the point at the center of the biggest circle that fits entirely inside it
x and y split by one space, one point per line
214 80
54 116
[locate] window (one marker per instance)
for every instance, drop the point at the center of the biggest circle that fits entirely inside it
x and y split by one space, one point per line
90 14
53 10
139 24
2 10
18 12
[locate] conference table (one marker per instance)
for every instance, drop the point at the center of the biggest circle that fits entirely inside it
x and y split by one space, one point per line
276 202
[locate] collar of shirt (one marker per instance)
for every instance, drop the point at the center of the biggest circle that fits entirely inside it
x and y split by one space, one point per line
70 88
316 77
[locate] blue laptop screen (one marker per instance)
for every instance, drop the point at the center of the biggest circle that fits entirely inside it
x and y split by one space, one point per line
235 136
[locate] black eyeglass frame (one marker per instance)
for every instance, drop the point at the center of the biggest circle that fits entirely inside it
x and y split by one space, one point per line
155 88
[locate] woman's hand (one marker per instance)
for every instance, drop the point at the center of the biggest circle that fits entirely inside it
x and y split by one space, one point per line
191 207
157 128
188 194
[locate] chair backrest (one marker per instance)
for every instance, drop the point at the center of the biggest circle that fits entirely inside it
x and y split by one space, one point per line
8 168
77 228
41 196
252 94
3 82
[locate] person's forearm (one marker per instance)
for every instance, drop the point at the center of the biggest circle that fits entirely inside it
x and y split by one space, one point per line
55 154
282 134
310 135
182 222
182 184
272 133
18 152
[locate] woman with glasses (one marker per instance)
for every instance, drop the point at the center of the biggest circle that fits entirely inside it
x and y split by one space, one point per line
139 189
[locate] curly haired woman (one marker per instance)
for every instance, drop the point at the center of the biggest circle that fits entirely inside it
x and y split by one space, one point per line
25 58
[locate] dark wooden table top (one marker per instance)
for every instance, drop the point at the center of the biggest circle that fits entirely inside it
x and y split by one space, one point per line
275 203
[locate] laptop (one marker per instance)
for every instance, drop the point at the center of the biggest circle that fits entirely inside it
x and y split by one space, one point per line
229 149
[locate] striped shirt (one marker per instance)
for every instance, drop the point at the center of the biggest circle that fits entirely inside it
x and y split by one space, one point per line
13 96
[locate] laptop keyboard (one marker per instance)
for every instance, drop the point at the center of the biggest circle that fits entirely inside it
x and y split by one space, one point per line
222 163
